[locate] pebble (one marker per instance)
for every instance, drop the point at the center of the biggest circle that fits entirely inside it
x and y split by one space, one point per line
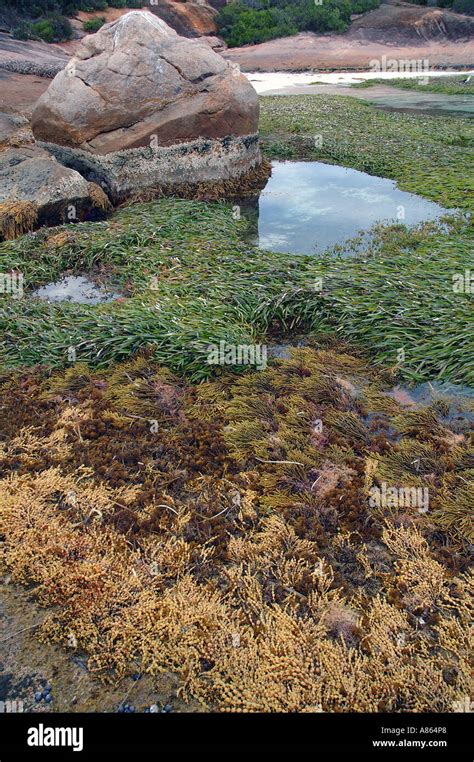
154 708
38 696
48 698
166 709
127 708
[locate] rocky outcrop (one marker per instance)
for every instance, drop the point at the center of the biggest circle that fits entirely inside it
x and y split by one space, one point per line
400 22
57 194
189 19
136 82
140 107
198 169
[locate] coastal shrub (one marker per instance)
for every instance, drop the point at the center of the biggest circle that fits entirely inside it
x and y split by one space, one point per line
97 5
22 31
43 29
93 25
256 26
457 6
90 5
252 21
464 6
53 29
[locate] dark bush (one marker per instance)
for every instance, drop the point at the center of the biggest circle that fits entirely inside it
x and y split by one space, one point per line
44 30
464 6
22 31
53 29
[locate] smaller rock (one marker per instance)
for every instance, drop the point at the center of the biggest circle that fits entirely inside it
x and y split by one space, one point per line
37 189
38 696
190 19
216 43
11 128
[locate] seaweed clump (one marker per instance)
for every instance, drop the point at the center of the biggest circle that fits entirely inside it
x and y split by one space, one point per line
228 532
16 218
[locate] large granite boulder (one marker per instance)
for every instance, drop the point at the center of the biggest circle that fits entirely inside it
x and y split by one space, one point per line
140 109
135 83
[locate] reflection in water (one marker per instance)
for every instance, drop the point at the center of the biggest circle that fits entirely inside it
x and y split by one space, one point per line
454 403
308 207
75 288
456 411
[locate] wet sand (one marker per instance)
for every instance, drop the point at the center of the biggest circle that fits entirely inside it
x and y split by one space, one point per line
27 666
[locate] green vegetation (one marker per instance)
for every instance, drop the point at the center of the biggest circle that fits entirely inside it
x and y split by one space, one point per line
93 25
48 19
191 280
253 21
461 84
52 29
245 22
36 8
